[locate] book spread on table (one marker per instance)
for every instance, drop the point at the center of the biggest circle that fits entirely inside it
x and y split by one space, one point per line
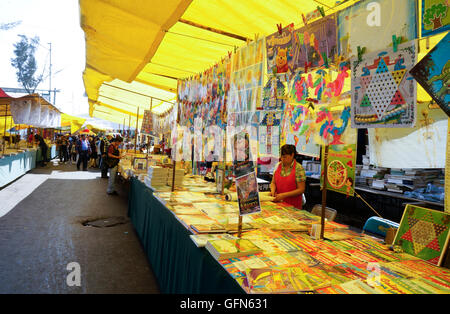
223 249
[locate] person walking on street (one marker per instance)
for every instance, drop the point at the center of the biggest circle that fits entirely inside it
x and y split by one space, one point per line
113 162
93 153
104 155
63 149
83 150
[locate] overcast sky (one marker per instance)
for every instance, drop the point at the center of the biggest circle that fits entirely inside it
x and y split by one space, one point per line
56 22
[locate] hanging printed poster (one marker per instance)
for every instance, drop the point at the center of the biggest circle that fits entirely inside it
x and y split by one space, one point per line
433 73
44 117
435 17
371 24
246 83
384 92
298 129
315 45
248 195
198 140
274 95
269 133
280 51
307 121
147 123
424 233
242 156
20 110
341 163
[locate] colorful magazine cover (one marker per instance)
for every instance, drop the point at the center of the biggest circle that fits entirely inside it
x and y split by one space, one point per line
248 195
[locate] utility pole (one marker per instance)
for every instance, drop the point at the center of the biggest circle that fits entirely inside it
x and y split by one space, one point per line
50 76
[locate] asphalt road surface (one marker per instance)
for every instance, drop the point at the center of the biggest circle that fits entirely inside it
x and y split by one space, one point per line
47 244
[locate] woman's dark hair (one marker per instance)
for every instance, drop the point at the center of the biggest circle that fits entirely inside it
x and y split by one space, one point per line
288 150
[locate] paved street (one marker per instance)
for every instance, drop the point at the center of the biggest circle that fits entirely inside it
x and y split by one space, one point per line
42 232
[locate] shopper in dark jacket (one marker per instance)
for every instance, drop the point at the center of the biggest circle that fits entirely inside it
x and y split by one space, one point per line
83 150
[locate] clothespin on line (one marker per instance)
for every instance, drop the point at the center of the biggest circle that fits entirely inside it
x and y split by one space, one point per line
321 10
361 51
305 22
396 41
307 65
280 28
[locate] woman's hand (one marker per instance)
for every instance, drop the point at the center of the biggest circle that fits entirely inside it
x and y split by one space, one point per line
279 197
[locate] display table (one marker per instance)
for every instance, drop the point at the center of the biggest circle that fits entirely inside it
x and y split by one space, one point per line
14 166
52 153
179 265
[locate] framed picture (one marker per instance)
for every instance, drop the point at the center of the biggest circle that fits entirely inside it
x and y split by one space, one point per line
140 164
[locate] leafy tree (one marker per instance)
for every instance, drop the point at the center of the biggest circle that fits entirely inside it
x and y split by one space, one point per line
25 63
434 15
6 26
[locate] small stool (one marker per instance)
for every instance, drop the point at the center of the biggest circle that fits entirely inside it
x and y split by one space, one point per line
330 213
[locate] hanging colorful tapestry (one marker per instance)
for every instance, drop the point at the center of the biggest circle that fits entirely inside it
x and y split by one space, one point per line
269 133
384 92
424 233
246 82
280 51
371 24
341 162
147 123
315 45
433 73
435 17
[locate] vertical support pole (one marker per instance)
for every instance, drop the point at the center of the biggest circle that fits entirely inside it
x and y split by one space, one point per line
324 191
173 175
4 134
136 132
240 226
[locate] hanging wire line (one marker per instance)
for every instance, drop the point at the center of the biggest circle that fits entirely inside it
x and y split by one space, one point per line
362 199
211 41
174 68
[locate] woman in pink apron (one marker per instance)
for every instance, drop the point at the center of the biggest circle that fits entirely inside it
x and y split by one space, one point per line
288 183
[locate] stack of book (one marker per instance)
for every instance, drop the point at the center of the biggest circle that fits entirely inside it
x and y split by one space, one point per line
179 175
378 184
410 179
224 248
156 176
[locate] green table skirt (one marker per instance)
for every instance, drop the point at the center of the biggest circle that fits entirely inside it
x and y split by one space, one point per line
179 265
12 167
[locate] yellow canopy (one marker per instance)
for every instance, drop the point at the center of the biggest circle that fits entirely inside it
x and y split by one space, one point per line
74 122
131 45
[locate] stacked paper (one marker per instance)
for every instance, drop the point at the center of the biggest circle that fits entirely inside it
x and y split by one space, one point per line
157 176
179 175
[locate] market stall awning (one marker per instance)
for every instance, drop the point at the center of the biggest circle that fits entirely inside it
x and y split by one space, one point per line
150 42
122 36
119 101
75 123
176 40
